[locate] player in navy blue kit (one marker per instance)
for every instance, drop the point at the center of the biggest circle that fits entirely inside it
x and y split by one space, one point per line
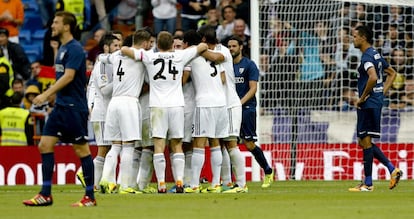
247 76
371 89
68 120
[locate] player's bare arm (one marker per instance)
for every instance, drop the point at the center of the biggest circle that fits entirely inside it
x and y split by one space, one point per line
215 57
127 51
59 85
372 81
223 77
201 48
391 74
250 94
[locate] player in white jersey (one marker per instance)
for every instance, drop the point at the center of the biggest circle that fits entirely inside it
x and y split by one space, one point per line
231 151
144 150
165 70
210 117
123 125
100 90
146 145
189 107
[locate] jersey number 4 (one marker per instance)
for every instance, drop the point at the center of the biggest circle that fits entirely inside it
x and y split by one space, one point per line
171 69
120 72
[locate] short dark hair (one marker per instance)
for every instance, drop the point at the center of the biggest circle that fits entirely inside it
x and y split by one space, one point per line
69 19
107 39
17 81
238 39
209 33
4 31
16 98
178 38
366 32
191 37
225 7
128 40
149 30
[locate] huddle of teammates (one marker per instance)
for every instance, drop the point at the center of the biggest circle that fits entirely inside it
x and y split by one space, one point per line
143 99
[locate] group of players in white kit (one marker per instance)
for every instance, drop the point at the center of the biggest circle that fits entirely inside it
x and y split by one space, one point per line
143 99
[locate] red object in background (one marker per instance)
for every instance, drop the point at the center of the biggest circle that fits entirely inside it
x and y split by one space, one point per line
22 165
47 76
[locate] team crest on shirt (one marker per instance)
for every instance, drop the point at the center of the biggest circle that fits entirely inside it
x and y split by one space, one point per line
61 55
241 70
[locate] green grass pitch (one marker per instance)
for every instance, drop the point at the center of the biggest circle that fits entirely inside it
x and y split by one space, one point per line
289 199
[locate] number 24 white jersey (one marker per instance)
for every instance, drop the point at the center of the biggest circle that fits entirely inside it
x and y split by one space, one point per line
165 71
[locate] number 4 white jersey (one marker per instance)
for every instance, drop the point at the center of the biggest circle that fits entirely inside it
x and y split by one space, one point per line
165 71
128 74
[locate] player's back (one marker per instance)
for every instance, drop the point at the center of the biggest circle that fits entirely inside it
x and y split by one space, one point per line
207 82
165 71
128 75
232 98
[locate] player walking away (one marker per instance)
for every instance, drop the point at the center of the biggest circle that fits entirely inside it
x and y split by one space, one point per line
247 75
100 93
371 89
68 120
123 122
165 71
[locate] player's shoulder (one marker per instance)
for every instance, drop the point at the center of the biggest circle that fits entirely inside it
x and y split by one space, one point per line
247 61
221 48
74 46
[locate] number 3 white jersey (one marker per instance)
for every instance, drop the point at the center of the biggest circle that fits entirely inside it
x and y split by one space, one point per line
207 82
232 97
165 71
128 74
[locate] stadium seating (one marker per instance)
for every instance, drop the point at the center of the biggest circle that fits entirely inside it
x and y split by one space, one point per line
25 37
30 5
32 22
37 38
32 52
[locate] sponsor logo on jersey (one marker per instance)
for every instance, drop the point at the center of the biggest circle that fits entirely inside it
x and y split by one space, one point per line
239 80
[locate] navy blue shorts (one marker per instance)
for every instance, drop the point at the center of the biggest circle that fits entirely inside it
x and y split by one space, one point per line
248 126
369 122
68 124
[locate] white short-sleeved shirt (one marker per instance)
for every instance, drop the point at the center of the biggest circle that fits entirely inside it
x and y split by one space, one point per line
206 77
165 71
128 74
101 77
232 98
